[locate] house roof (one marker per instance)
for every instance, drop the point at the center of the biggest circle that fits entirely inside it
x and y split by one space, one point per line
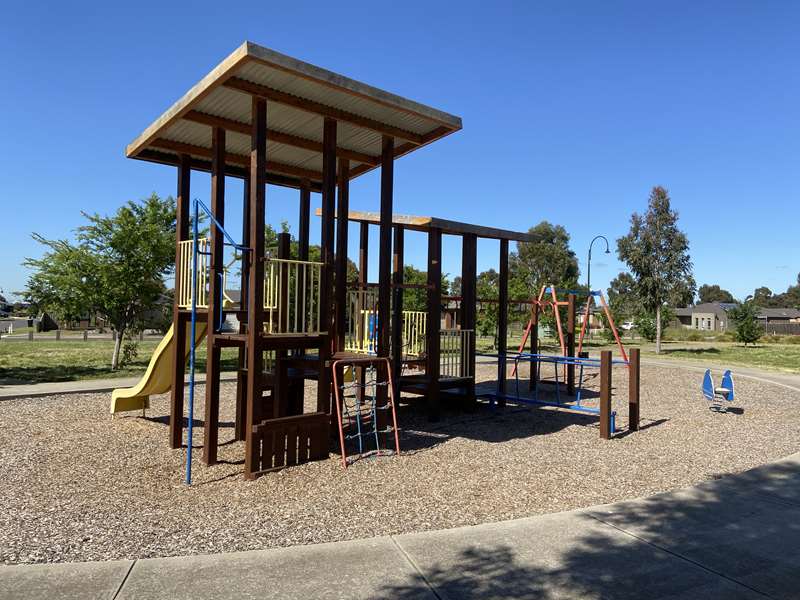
779 313
445 225
299 97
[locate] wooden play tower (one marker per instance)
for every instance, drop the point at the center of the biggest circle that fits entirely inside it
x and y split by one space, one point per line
267 118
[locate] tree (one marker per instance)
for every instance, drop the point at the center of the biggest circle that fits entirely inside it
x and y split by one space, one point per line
487 288
745 316
657 253
714 293
548 260
622 298
115 267
762 296
646 325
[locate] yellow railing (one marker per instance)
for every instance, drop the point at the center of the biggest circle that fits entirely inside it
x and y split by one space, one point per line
362 325
415 326
183 278
454 352
292 296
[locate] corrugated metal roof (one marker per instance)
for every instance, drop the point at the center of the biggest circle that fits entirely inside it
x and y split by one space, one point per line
181 130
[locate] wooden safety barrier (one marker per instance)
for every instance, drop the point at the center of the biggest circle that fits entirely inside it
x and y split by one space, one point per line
289 441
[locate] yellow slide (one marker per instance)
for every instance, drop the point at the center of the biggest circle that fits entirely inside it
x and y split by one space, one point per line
158 377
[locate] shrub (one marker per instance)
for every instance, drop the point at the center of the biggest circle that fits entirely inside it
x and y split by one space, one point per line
695 336
130 350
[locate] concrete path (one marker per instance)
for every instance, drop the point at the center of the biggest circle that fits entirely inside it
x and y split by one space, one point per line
81 387
736 537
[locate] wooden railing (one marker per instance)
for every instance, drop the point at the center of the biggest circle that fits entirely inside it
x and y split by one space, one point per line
454 352
292 296
291 289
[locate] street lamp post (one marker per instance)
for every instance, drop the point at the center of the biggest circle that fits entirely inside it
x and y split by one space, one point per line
589 262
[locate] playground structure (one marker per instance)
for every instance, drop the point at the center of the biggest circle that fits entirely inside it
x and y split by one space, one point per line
267 118
572 358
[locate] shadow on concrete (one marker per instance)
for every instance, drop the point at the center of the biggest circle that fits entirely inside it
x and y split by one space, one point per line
736 537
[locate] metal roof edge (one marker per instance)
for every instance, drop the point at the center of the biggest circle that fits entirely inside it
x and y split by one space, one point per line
212 79
335 80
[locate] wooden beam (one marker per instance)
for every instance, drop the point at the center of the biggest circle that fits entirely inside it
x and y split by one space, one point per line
324 110
634 363
240 172
385 245
244 279
342 208
421 223
216 266
326 243
236 159
469 262
397 307
432 365
178 324
255 288
363 255
279 137
305 220
605 394
502 322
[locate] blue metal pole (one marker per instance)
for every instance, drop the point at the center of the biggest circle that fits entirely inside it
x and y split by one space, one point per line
192 347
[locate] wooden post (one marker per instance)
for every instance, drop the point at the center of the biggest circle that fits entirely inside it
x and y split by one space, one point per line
502 323
633 389
433 366
469 261
280 402
342 223
178 320
58 335
217 260
86 339
363 255
571 298
534 341
397 307
305 220
326 242
385 245
255 287
241 374
363 272
605 394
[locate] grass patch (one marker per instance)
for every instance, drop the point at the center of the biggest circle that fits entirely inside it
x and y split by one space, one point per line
780 357
43 361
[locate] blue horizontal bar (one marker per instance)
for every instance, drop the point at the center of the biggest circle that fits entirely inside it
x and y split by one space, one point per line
584 409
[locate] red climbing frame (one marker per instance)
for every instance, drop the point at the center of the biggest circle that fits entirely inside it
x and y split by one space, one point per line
383 393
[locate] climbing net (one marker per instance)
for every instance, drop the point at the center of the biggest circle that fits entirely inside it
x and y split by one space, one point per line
365 408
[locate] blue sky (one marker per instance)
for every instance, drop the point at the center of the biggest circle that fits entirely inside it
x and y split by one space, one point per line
572 112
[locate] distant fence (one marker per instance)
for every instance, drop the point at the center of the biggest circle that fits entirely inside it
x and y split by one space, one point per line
68 335
782 328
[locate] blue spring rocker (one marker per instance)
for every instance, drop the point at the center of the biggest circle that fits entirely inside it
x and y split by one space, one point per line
718 396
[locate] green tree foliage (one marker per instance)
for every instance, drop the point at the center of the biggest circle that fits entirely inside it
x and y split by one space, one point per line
548 260
714 293
763 296
487 289
745 317
657 253
622 299
115 267
417 298
646 325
